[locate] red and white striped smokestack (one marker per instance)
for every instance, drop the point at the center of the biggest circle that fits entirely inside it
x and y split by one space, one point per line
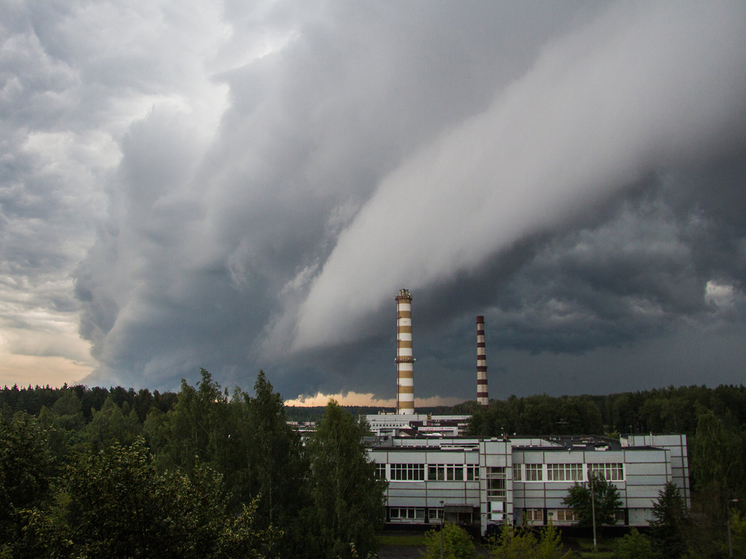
404 358
482 395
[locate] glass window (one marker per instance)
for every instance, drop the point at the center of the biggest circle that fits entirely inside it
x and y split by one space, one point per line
610 472
534 472
534 515
565 515
564 472
555 472
381 471
496 484
517 472
407 472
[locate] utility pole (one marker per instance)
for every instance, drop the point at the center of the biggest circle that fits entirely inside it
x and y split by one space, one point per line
442 525
591 476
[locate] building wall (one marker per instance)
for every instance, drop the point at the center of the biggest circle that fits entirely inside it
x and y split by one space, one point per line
506 482
676 445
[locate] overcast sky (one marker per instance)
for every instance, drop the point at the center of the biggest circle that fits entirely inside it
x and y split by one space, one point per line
247 185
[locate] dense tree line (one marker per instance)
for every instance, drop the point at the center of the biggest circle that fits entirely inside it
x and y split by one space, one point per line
209 474
667 410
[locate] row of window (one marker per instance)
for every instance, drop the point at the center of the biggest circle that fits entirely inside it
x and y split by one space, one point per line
414 513
436 472
567 472
561 515
521 472
529 515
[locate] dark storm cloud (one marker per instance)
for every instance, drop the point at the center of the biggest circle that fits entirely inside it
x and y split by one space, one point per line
276 172
312 129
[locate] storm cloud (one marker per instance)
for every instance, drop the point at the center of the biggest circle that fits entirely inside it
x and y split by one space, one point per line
245 187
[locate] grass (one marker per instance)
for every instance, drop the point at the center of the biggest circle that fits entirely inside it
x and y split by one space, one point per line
604 548
402 539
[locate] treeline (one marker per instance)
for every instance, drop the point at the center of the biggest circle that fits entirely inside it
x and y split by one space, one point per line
32 399
667 410
208 474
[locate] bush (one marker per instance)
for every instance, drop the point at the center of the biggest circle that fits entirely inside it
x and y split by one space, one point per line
457 543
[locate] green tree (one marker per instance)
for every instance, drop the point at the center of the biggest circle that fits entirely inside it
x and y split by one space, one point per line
120 506
26 473
457 544
605 502
278 469
670 528
522 543
347 498
276 452
738 534
634 546
197 428
112 423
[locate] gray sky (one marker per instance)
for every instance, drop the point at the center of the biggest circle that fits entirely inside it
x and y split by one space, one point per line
248 185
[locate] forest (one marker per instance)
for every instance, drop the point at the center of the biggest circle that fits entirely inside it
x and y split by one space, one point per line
206 472
200 473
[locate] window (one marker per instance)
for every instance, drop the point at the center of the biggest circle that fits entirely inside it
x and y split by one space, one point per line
381 471
610 472
517 472
435 514
445 472
534 472
564 472
565 515
496 484
534 515
407 472
406 514
472 473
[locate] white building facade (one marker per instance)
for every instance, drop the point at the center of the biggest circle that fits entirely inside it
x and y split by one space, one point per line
490 481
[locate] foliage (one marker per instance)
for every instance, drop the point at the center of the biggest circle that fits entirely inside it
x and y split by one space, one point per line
661 410
717 459
738 534
26 472
112 424
120 506
457 544
606 501
347 498
537 415
669 530
522 543
634 546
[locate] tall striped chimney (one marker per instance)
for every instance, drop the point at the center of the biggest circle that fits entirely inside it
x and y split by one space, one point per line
404 358
482 396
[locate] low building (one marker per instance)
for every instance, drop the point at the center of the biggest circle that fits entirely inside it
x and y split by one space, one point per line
492 481
395 425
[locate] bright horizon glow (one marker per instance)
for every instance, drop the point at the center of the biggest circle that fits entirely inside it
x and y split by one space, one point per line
368 399
36 370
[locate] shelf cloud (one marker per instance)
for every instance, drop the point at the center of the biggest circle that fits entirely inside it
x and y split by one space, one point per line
241 187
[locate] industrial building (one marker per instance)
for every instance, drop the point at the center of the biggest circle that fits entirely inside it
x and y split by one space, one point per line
434 472
490 481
